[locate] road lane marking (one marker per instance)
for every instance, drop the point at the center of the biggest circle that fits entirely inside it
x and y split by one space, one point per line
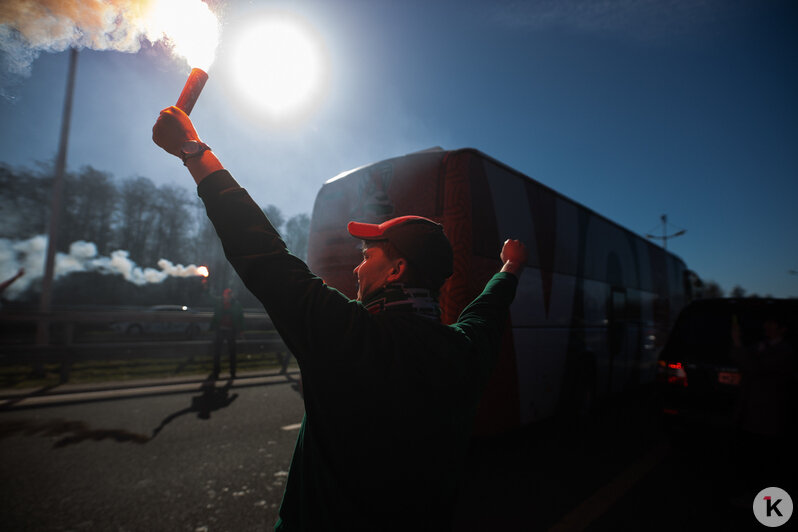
602 500
295 426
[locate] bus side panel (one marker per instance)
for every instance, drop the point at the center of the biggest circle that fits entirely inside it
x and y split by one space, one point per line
610 259
586 277
332 252
661 304
541 342
456 292
676 286
470 223
542 309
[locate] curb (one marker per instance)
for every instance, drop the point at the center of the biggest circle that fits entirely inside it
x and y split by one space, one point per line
82 393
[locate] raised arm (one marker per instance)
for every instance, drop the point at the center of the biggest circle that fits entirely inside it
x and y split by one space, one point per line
303 309
482 321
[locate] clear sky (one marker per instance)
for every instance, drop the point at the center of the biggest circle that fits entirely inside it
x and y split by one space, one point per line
632 108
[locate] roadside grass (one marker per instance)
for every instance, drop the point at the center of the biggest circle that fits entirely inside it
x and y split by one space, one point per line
22 376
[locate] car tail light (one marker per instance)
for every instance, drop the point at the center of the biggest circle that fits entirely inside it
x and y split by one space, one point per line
672 373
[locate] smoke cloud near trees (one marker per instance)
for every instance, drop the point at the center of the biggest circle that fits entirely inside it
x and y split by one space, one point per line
129 229
82 257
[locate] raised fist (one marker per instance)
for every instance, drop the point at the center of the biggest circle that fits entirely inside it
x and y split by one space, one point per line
514 251
172 129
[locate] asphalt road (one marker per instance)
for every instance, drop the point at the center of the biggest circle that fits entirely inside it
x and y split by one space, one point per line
201 460
217 459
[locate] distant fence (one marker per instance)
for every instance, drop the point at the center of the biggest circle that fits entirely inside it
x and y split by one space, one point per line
96 335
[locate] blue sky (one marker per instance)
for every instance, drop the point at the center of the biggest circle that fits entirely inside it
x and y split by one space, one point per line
632 108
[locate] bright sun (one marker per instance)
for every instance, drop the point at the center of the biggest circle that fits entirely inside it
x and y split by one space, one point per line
278 65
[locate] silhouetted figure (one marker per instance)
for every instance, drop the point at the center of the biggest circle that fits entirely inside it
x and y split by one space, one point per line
71 432
390 392
8 282
765 416
228 322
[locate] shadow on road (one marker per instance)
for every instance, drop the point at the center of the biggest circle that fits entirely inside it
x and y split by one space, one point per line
76 432
210 400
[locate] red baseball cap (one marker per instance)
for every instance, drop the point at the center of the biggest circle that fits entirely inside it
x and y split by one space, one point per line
419 240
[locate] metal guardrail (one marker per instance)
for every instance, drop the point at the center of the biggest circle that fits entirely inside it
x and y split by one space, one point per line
68 320
67 350
67 355
136 348
93 316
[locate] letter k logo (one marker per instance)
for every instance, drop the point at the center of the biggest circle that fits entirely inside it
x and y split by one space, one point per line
772 506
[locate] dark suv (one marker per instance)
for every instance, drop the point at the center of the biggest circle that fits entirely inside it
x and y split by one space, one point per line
697 378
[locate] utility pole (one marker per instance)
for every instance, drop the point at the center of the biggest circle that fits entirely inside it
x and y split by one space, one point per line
665 236
43 326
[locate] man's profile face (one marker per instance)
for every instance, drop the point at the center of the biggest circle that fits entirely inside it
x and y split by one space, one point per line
372 273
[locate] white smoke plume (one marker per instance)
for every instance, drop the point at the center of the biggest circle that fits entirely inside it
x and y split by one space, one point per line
28 27
82 257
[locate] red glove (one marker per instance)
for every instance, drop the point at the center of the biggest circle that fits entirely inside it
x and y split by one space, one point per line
172 129
514 256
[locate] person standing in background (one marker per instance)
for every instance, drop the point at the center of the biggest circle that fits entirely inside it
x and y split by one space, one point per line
227 322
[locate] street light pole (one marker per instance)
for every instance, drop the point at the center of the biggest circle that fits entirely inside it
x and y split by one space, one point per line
43 327
665 236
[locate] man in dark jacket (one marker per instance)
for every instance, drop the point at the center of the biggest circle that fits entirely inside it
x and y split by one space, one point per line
390 392
227 322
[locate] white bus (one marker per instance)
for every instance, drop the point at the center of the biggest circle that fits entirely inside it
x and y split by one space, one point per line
594 303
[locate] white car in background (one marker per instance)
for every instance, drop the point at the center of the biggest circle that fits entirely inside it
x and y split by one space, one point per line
170 327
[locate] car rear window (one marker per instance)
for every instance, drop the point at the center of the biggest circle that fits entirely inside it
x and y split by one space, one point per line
703 331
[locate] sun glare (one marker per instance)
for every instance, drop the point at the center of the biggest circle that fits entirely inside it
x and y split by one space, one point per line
278 66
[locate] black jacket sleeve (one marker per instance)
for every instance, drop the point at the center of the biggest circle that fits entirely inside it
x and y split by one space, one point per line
484 319
306 312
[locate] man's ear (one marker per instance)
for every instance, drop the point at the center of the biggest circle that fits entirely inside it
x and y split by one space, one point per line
398 270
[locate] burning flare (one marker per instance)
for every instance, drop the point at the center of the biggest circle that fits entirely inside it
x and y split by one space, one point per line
28 27
189 26
202 271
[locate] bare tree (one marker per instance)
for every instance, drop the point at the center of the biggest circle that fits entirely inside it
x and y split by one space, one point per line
274 215
297 229
172 224
711 289
207 250
136 217
90 203
737 291
24 202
